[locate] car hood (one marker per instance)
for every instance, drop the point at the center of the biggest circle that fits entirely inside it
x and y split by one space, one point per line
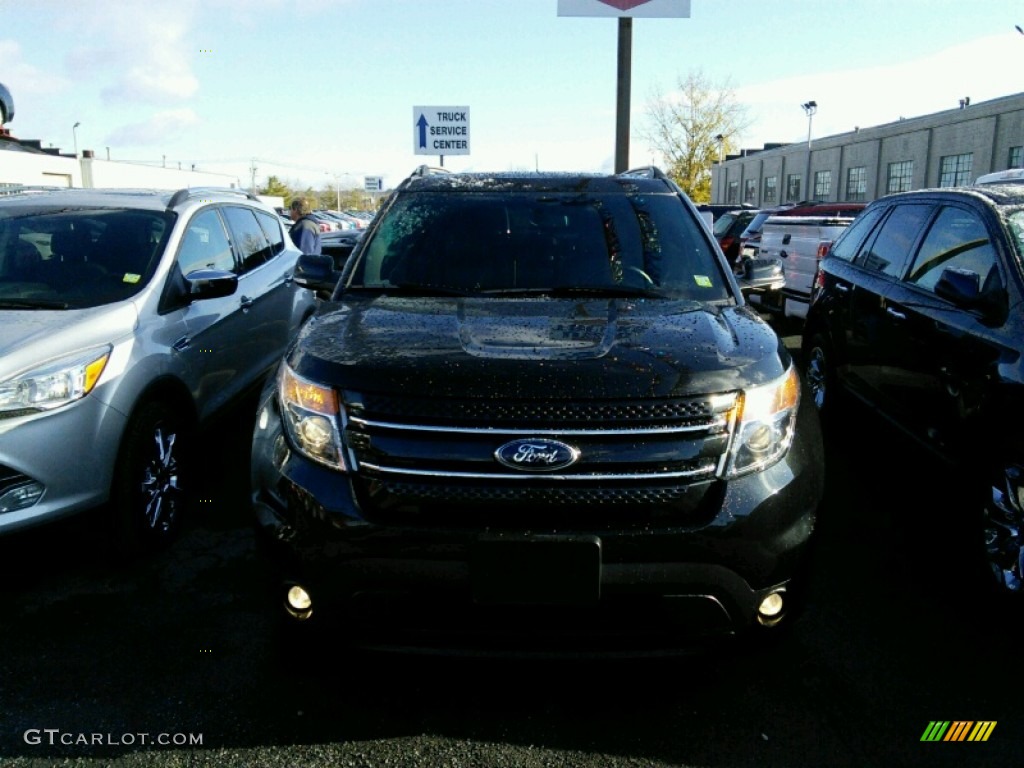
537 348
29 338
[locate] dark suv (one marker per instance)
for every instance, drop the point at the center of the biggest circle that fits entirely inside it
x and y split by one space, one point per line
917 311
536 414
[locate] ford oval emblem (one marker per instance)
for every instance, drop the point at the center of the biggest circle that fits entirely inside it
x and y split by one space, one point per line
537 455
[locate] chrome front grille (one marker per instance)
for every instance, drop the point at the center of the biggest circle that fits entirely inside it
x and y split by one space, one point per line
431 459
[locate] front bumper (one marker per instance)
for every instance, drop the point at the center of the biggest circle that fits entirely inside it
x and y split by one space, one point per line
71 452
657 587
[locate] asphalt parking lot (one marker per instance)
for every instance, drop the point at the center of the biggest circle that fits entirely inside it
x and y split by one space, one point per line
111 663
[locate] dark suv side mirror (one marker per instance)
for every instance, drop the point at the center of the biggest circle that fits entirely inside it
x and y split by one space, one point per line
210 284
963 288
317 273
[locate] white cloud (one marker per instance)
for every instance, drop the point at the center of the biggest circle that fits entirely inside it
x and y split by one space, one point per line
144 56
981 69
21 77
162 127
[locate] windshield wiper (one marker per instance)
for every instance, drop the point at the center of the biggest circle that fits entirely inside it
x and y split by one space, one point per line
572 291
420 289
33 304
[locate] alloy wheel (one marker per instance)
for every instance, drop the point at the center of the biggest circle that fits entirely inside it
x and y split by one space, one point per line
817 376
160 489
1004 543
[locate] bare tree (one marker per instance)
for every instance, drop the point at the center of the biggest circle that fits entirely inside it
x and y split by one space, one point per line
693 127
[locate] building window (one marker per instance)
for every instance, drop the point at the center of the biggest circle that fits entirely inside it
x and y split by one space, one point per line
900 175
822 185
1016 157
732 195
750 190
770 189
857 184
793 188
955 170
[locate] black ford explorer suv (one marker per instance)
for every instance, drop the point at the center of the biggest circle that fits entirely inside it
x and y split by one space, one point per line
536 415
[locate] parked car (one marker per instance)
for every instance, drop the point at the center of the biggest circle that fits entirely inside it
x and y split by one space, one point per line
327 224
717 210
918 312
750 238
797 242
536 414
127 320
728 229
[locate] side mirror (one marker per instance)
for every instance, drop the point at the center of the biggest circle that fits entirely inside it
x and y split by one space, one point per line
963 288
755 275
317 273
210 284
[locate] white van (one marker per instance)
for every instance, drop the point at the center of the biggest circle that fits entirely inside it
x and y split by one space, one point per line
1009 176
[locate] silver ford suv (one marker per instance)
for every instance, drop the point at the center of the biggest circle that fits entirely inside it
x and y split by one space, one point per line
127 319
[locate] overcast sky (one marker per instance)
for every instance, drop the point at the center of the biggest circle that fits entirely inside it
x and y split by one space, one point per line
323 91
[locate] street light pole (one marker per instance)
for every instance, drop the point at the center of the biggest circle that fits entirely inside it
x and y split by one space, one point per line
810 107
74 132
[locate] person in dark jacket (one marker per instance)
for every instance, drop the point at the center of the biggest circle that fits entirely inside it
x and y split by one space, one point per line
305 229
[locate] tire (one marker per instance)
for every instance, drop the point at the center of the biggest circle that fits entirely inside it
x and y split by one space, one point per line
819 375
152 481
1002 541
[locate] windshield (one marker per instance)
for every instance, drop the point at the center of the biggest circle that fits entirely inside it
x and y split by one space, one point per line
77 258
532 242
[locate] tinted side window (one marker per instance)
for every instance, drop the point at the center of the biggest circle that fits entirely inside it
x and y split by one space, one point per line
849 242
958 239
271 226
205 245
253 245
890 249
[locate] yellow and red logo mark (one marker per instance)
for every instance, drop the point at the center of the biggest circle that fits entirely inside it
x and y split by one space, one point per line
958 730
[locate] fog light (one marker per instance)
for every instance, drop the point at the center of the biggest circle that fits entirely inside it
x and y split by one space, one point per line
771 606
299 603
21 496
760 439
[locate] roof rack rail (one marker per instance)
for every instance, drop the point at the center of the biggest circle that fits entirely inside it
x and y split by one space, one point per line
646 172
14 189
184 194
428 170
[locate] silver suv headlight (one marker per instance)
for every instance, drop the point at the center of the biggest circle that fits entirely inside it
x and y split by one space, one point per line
312 418
54 384
765 423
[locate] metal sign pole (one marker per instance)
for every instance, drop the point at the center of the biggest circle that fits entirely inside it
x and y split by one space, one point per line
622 97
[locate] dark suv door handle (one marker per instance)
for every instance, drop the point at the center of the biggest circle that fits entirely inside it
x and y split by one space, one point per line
246 302
842 288
895 314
